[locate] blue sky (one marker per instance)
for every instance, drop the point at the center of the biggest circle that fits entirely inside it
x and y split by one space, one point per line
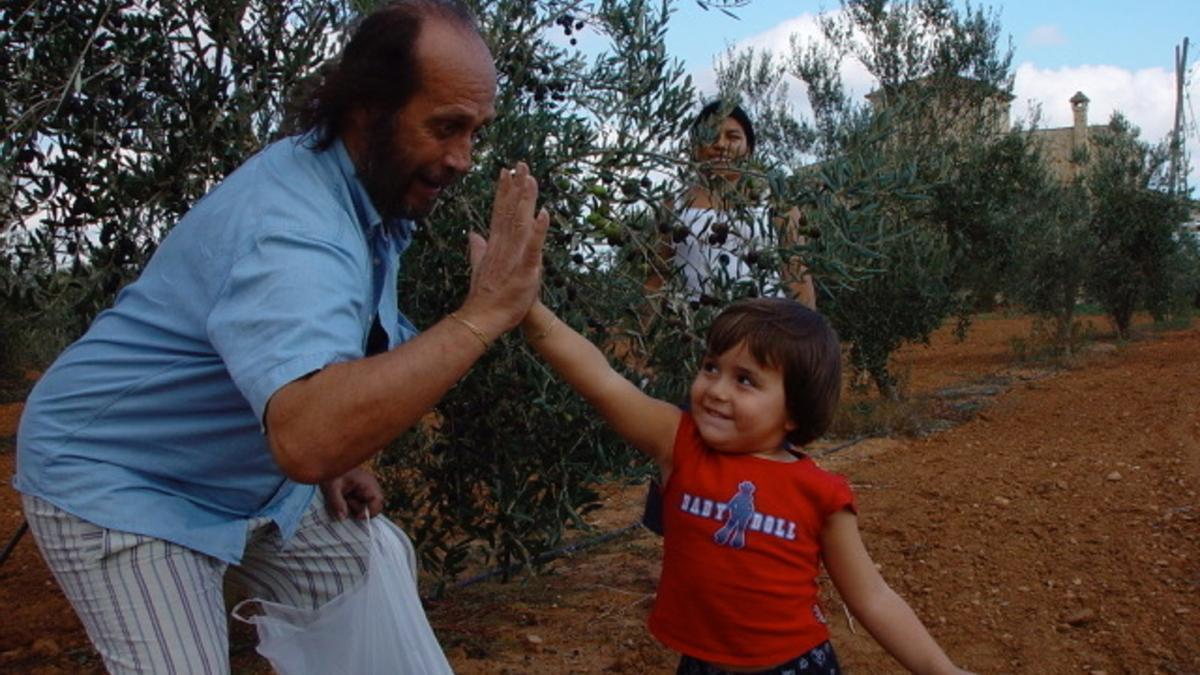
1052 33
1120 54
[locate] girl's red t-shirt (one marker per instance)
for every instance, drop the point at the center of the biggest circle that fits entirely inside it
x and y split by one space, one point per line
741 554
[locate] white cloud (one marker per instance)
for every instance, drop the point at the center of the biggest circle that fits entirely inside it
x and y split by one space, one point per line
777 40
1146 97
1046 35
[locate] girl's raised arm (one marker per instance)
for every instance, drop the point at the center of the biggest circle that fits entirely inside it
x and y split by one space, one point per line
646 422
888 618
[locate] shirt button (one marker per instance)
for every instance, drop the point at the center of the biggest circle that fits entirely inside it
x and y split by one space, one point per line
378 261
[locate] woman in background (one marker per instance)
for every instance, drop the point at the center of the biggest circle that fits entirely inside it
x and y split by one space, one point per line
718 228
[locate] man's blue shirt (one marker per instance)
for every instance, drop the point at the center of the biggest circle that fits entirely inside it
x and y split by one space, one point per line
152 422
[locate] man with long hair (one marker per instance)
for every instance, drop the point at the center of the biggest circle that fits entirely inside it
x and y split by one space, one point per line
261 353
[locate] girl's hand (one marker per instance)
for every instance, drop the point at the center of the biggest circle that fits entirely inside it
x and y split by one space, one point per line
885 615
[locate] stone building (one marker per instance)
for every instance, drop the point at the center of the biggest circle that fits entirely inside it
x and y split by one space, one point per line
1065 147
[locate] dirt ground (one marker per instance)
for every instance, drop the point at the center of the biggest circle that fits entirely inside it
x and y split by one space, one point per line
1050 525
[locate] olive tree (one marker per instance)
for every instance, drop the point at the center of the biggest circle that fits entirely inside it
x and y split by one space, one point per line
116 117
511 454
1054 251
934 125
1135 222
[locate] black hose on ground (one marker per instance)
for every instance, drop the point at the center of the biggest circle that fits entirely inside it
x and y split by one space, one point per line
12 543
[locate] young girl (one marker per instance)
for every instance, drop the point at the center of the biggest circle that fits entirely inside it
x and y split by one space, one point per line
748 520
719 224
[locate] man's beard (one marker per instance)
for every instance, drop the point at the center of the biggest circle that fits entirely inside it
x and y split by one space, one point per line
388 174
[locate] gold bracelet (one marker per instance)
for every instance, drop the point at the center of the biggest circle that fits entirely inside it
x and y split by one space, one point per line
483 338
545 333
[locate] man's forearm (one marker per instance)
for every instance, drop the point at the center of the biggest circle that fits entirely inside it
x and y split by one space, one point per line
324 425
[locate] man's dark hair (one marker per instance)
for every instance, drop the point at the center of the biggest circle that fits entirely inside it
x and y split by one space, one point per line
377 69
715 112
784 334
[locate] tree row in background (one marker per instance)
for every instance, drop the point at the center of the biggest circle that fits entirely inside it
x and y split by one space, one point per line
977 216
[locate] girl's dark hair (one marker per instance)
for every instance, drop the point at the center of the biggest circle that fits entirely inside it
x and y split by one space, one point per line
377 69
784 334
715 112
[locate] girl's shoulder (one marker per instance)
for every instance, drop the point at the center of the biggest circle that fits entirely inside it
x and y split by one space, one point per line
808 465
806 475
831 489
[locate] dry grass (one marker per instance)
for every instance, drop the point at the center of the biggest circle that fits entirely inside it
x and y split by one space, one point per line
862 415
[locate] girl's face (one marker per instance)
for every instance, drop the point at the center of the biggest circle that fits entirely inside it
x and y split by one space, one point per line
739 404
729 145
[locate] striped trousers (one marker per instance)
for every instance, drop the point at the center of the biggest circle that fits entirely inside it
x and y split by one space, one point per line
151 606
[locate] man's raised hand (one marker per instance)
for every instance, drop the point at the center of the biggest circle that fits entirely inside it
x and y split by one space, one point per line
506 267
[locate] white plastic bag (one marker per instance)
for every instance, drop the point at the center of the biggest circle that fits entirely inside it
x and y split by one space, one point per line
376 628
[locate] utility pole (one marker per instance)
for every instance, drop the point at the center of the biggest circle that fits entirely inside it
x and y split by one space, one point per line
1177 133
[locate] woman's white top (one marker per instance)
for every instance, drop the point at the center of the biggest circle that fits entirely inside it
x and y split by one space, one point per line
705 265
